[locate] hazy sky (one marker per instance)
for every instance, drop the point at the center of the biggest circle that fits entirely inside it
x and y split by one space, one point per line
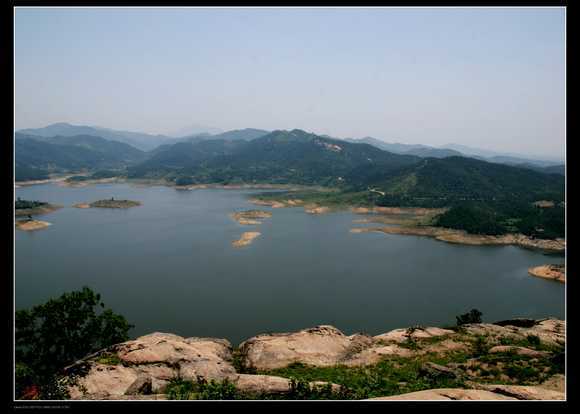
487 77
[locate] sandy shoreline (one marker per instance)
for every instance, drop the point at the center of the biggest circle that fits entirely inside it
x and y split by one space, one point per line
461 237
246 238
36 211
30 225
551 272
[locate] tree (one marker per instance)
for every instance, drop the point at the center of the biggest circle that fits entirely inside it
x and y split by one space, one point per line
61 331
473 316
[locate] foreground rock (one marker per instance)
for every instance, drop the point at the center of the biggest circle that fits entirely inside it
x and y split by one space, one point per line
31 225
246 238
551 272
549 331
143 368
445 394
157 358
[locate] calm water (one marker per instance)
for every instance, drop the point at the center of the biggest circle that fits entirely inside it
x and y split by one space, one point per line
169 266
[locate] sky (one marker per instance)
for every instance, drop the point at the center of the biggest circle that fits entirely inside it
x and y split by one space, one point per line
492 78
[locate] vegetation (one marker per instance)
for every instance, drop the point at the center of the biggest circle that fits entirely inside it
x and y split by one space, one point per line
20 204
27 173
64 154
179 389
473 316
112 203
483 197
97 175
61 331
497 218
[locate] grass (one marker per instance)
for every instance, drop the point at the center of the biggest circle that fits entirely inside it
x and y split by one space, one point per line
109 359
393 375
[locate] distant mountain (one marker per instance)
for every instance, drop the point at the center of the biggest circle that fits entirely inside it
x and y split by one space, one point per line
293 156
139 140
499 157
386 146
34 154
194 129
418 150
552 169
246 134
433 152
237 134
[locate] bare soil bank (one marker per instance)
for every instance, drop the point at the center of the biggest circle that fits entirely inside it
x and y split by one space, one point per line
247 238
30 225
45 209
250 216
552 272
462 237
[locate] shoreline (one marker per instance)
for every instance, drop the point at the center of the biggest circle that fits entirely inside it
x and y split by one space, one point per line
550 272
246 238
250 217
37 211
462 237
411 220
31 225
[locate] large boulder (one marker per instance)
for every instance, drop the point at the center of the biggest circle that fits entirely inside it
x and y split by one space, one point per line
402 335
148 363
320 346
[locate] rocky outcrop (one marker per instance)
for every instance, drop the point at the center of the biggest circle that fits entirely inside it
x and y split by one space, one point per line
156 358
143 367
445 394
320 346
549 331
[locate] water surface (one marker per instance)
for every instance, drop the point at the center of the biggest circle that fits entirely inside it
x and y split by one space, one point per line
169 266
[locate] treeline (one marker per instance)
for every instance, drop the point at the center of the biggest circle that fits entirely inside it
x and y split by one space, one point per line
506 217
20 204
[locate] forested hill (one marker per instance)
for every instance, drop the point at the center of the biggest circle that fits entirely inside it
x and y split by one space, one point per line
37 156
295 157
434 182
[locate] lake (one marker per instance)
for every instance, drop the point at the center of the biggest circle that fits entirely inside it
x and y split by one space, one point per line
169 266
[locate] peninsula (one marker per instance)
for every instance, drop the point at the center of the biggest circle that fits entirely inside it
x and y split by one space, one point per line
550 271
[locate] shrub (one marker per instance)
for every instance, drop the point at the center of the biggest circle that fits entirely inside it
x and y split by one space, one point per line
473 316
58 333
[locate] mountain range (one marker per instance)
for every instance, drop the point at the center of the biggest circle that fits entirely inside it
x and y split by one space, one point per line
406 174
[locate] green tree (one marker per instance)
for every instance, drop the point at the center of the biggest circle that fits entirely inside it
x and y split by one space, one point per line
473 316
61 331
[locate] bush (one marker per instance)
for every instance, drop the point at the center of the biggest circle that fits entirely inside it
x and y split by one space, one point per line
58 333
473 316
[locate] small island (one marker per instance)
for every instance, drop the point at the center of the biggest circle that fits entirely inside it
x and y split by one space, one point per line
29 208
30 224
250 216
551 271
112 203
247 238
